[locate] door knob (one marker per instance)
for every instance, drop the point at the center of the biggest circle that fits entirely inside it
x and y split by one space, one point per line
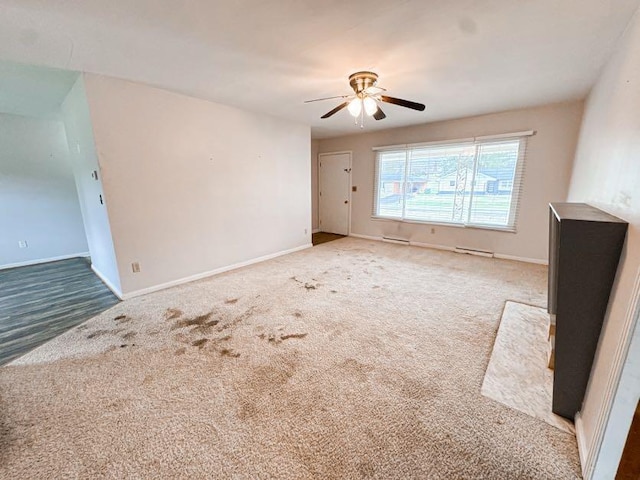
346 201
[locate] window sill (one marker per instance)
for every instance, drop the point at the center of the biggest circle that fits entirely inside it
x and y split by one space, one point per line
444 224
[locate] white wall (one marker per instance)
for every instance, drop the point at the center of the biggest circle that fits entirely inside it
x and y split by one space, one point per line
607 174
77 121
315 144
194 186
38 199
546 178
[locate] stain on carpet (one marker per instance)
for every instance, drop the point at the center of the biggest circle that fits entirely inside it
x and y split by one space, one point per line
227 352
293 335
122 318
200 342
266 381
172 313
128 335
99 333
307 285
231 301
200 320
204 329
237 320
279 337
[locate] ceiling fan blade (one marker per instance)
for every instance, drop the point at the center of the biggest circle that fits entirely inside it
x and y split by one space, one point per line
403 103
335 110
379 115
326 98
373 90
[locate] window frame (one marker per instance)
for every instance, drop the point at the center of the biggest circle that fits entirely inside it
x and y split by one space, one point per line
477 142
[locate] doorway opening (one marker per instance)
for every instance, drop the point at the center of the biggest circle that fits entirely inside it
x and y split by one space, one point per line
48 277
334 196
322 237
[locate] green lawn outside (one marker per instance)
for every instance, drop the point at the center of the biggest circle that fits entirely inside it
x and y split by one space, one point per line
487 209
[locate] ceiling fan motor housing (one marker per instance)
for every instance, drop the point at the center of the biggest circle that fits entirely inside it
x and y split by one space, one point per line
360 81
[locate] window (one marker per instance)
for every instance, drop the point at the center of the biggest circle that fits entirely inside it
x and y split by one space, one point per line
472 183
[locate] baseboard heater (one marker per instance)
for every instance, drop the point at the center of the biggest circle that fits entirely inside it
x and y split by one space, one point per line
472 251
397 241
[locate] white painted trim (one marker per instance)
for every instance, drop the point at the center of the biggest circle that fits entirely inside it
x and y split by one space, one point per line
335 153
452 249
107 282
397 241
528 133
433 246
44 260
582 445
210 273
620 357
473 251
538 261
365 237
315 230
482 138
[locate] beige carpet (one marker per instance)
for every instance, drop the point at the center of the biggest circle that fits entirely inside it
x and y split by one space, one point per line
517 374
354 359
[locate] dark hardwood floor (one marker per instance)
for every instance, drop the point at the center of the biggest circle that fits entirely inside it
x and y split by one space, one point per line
323 237
39 302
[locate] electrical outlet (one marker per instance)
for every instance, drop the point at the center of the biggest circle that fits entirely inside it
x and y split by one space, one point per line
135 266
22 244
305 231
354 188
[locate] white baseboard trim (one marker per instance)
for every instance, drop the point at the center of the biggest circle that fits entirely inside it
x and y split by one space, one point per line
582 445
397 241
210 273
433 246
453 249
44 260
537 261
107 282
366 237
315 230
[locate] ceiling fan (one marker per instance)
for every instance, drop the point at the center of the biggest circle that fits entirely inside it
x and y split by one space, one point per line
366 99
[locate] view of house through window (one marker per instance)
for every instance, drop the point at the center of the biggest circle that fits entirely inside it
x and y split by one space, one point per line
473 183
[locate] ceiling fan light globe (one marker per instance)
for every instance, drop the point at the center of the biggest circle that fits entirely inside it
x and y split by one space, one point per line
370 106
355 107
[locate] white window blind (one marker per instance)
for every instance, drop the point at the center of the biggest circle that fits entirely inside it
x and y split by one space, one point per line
474 182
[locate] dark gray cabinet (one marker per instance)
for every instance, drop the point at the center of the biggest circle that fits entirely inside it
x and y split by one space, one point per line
584 249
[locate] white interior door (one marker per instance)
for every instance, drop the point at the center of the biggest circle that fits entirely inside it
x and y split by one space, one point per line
334 173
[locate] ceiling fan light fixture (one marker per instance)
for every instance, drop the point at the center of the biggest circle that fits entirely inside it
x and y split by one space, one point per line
370 105
366 99
355 107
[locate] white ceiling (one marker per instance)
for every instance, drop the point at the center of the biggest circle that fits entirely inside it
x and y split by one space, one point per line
460 57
